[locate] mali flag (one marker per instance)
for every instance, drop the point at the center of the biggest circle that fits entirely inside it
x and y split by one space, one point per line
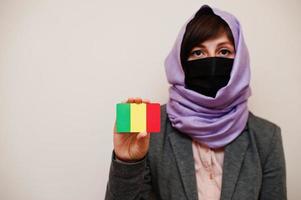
138 117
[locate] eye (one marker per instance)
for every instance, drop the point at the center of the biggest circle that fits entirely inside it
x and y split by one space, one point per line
197 52
225 52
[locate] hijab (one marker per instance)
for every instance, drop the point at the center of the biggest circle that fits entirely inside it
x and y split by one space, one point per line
212 121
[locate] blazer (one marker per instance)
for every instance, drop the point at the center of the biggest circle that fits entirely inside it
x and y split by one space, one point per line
253 168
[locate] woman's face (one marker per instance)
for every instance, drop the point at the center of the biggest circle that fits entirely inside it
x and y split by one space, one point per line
220 46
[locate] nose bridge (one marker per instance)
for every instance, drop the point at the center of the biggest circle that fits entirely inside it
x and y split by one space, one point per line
211 50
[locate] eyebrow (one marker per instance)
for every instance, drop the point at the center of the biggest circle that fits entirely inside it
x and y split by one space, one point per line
225 43
220 44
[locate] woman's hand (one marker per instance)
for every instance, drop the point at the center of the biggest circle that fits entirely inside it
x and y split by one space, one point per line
131 146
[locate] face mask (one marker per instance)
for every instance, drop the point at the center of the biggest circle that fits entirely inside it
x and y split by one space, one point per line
207 75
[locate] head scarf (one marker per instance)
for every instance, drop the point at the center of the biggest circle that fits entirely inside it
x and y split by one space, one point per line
214 122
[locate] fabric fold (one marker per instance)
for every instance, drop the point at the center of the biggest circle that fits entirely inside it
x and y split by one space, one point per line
217 121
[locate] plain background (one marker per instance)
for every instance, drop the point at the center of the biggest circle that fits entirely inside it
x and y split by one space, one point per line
64 64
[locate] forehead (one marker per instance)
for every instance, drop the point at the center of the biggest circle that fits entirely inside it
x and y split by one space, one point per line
221 38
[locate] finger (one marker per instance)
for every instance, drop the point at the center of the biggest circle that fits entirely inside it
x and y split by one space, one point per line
138 100
144 139
145 101
130 100
141 135
114 128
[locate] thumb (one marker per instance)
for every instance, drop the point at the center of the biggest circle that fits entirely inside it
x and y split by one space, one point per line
142 135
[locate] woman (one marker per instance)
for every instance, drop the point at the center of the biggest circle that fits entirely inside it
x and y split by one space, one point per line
210 146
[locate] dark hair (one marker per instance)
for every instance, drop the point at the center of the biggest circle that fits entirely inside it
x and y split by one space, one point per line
205 25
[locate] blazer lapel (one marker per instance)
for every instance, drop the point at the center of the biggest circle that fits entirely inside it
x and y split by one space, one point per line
182 149
233 158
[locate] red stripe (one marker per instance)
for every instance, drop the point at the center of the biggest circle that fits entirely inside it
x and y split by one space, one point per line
153 117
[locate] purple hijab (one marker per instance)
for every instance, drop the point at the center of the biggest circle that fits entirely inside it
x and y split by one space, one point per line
214 122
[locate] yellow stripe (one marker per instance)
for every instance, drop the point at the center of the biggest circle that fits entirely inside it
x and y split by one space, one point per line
138 117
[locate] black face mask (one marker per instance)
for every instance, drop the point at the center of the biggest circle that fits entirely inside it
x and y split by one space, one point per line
207 75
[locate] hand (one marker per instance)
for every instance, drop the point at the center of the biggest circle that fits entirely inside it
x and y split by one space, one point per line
131 146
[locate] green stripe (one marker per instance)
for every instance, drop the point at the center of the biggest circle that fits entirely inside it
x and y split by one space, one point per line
123 118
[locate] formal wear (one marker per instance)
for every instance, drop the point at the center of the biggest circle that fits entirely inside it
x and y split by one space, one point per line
253 166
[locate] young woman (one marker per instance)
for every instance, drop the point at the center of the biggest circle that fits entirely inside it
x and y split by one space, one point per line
210 146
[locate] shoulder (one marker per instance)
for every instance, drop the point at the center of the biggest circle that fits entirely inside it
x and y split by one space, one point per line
258 123
262 128
264 133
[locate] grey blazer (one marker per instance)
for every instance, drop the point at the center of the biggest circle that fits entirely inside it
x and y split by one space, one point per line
254 166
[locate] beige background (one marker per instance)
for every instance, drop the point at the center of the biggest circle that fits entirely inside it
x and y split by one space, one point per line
64 64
